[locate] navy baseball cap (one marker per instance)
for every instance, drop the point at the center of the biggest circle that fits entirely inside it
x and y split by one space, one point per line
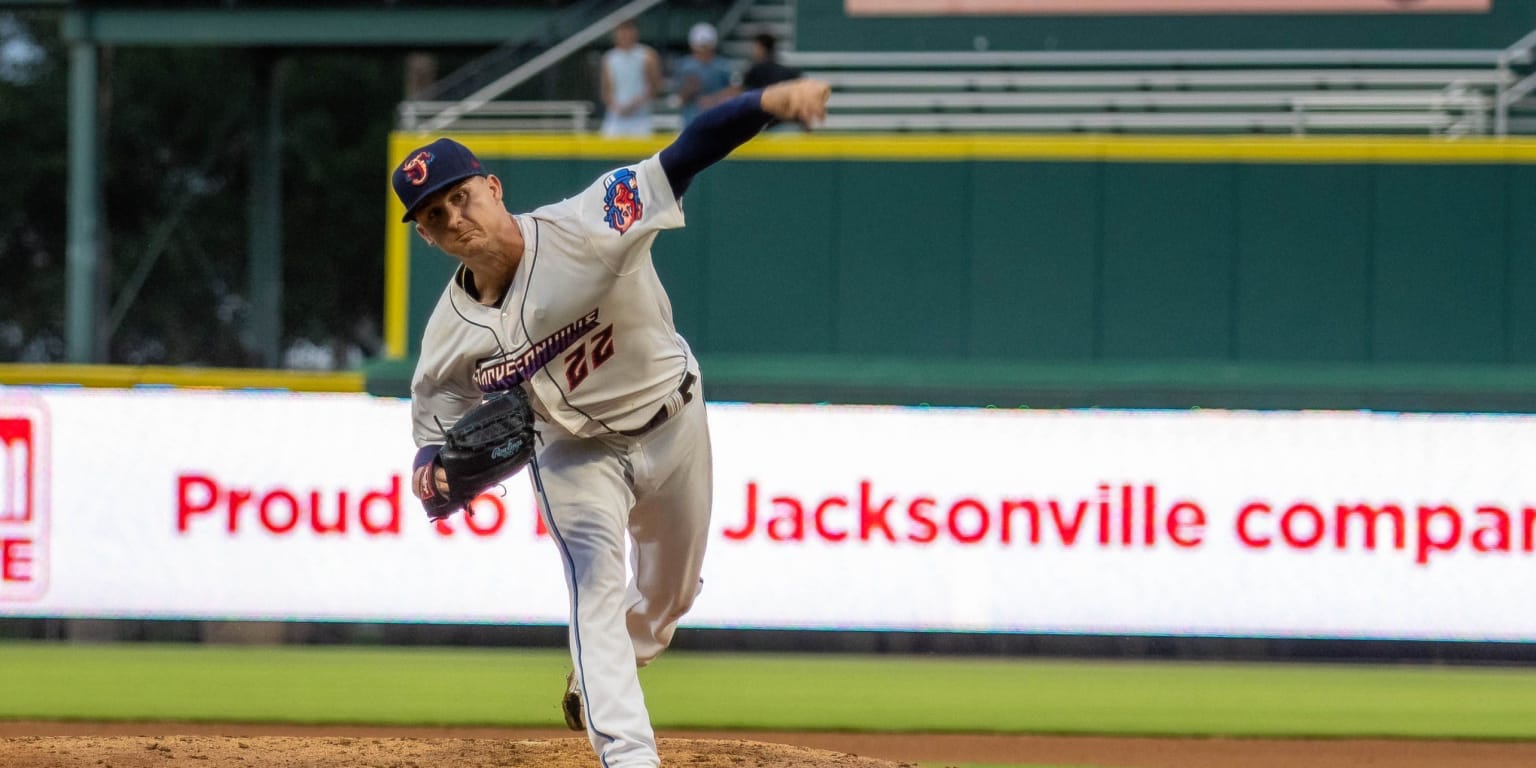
430 169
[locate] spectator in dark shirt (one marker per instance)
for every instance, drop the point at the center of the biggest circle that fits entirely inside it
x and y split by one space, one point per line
766 69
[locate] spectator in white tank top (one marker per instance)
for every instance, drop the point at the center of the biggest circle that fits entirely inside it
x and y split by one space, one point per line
631 78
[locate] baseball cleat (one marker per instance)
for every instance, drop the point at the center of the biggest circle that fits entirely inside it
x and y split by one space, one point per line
571 706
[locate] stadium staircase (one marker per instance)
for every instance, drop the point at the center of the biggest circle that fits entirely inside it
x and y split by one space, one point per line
470 98
749 18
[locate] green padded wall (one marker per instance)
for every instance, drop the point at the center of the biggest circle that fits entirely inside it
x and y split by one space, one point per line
1033 261
1303 269
1439 265
1035 269
1520 255
904 259
1063 261
776 268
1167 262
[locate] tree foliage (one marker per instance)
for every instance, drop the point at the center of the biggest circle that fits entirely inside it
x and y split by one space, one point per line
33 122
177 129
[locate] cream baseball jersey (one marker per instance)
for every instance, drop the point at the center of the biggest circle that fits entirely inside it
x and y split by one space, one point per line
586 322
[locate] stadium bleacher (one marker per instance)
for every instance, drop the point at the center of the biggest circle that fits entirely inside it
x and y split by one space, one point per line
1449 91
1452 91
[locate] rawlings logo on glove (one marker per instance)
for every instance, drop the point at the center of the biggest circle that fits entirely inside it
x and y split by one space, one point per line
488 445
507 449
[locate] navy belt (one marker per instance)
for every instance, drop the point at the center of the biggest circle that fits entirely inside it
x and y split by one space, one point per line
662 414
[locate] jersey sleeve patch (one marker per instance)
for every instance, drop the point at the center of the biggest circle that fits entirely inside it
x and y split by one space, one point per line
622 206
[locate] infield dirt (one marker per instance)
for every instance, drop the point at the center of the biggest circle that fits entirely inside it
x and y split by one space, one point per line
204 745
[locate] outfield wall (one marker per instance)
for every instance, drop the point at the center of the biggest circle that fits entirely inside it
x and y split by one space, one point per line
1061 263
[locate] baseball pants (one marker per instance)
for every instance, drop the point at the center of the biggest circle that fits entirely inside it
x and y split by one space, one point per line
656 489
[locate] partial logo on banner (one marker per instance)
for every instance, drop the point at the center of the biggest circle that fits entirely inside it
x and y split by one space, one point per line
24 477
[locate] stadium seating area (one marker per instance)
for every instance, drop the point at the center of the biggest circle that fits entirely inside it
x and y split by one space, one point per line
1253 91
1452 92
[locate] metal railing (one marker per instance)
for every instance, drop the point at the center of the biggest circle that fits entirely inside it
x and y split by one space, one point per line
572 116
1518 53
1149 122
908 60
493 64
1451 112
525 59
1159 79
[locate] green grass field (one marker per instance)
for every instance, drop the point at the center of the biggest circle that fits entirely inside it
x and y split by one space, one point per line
512 687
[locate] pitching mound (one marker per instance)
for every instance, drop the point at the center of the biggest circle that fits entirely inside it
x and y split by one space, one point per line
343 752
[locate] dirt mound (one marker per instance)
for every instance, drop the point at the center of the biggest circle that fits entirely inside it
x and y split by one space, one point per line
33 744
347 752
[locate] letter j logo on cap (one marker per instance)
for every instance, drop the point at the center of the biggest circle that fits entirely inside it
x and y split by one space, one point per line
415 169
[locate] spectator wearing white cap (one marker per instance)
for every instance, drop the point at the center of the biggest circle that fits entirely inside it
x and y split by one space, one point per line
702 80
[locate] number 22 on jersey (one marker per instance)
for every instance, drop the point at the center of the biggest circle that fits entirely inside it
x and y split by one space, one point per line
588 355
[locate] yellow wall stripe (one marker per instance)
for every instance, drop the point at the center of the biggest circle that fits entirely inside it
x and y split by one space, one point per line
124 376
397 260
917 147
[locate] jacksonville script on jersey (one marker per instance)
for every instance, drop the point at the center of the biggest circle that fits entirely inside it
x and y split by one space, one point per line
585 323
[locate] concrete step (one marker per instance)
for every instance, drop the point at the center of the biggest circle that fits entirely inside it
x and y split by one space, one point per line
761 12
746 30
775 18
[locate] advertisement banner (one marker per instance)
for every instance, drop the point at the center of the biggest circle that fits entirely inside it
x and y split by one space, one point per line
201 504
1107 7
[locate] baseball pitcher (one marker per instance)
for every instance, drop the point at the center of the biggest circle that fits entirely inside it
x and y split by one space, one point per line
556 318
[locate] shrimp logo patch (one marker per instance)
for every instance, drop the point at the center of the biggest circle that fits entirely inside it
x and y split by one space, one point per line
415 169
24 433
621 200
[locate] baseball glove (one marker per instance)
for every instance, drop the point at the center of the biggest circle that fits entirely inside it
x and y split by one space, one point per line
488 445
